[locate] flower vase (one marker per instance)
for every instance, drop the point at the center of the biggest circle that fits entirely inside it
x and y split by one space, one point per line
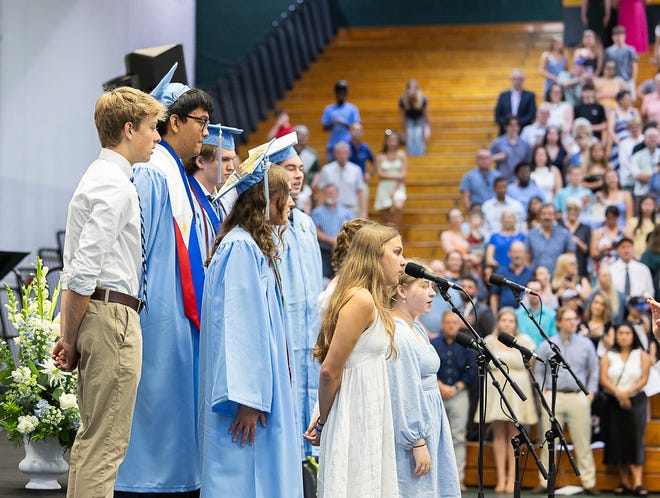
44 462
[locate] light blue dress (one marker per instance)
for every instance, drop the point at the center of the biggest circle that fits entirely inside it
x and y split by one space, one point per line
163 454
302 278
244 361
419 412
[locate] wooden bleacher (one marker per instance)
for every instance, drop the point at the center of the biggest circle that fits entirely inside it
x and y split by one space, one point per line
461 69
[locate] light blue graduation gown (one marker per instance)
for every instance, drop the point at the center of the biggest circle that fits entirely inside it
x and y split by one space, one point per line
418 412
163 454
244 360
302 279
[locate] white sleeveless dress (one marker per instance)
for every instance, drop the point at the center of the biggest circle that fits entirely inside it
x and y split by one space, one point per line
357 457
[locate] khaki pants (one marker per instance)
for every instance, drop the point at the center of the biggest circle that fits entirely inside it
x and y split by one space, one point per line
110 347
573 409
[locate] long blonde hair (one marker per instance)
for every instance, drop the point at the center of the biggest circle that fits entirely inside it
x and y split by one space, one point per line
362 268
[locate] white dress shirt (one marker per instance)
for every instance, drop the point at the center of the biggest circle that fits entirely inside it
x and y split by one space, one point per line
641 282
102 246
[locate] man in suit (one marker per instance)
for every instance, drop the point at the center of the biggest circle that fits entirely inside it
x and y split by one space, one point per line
516 102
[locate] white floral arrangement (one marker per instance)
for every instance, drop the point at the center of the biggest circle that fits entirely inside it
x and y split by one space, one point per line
37 400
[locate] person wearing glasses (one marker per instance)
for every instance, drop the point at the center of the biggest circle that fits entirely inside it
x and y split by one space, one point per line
163 454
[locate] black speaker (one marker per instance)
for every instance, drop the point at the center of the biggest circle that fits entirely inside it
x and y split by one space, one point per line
149 65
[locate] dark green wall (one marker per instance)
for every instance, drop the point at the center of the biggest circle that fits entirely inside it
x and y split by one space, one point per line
227 30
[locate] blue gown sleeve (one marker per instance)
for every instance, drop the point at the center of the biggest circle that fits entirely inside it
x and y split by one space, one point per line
242 371
409 410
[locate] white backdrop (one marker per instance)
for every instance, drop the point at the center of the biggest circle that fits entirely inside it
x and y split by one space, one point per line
54 57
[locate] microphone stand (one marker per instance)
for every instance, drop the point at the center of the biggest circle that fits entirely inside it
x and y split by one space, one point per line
555 431
483 357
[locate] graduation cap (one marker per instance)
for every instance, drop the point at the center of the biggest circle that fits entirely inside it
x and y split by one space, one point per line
228 137
167 92
213 138
284 154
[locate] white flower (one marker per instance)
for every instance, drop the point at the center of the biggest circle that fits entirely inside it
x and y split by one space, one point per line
21 375
68 401
55 375
27 423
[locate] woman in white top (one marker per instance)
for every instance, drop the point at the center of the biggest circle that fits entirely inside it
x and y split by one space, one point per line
546 176
355 427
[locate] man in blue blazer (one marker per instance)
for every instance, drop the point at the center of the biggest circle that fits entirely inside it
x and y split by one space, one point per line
516 102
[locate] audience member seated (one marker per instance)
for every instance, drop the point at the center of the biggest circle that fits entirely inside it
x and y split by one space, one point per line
329 218
497 249
542 275
613 195
548 241
480 315
282 125
517 271
360 152
392 168
594 170
645 162
455 376
572 82
477 184
552 62
516 102
640 227
561 111
638 316
508 149
534 133
651 258
454 239
572 190
615 298
629 275
593 112
348 179
545 175
493 208
433 319
338 117
415 121
580 232
566 277
626 147
624 371
624 56
608 86
533 211
524 188
597 325
650 109
556 152
544 315
582 138
604 239
618 120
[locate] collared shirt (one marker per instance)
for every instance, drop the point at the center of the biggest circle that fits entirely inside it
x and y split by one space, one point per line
103 246
479 186
456 362
643 161
345 115
492 211
524 194
641 281
545 251
579 353
533 134
569 192
506 295
516 152
329 221
348 180
361 155
516 95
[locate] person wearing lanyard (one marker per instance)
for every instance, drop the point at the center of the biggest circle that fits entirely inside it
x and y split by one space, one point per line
103 263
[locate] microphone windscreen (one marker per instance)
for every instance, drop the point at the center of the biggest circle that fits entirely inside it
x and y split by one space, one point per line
464 340
496 279
415 270
506 339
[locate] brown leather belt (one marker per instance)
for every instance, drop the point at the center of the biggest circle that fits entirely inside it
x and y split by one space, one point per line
109 296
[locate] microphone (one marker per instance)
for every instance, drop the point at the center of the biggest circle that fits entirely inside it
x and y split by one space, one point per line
418 271
500 281
512 342
467 341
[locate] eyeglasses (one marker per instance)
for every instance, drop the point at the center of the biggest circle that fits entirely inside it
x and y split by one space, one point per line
202 121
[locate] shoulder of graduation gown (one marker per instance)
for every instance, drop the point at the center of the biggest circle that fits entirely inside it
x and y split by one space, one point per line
244 361
302 278
163 453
